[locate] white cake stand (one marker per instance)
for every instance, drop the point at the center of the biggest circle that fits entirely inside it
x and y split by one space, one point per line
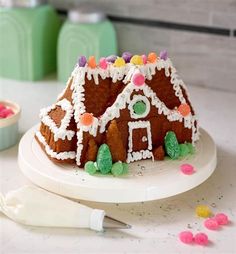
146 180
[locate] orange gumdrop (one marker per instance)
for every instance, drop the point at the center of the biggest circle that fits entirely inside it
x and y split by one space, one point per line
86 119
152 57
92 62
184 109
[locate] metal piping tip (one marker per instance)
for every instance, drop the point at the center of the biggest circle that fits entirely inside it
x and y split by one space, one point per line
111 223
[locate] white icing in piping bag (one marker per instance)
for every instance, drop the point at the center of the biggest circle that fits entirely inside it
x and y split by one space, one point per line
33 206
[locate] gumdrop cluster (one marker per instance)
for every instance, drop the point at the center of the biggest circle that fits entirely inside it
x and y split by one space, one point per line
5 112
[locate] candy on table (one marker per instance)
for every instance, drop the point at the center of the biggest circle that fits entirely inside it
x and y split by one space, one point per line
201 239
137 60
90 167
211 224
203 211
152 57
92 62
86 119
82 61
184 109
117 169
138 79
111 58
127 56
187 169
221 218
183 149
186 237
163 55
103 63
119 62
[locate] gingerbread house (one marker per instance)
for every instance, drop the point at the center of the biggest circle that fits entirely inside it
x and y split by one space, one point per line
128 104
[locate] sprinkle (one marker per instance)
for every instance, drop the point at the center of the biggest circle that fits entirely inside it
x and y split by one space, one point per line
137 60
184 109
211 224
119 62
111 58
201 239
138 79
92 62
86 119
187 169
221 218
163 55
144 57
82 61
103 63
203 211
127 56
186 237
152 57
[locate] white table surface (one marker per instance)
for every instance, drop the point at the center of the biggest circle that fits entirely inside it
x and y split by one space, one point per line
155 224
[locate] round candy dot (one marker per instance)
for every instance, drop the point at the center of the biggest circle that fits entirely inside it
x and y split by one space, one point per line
86 119
144 57
92 62
138 79
2 107
201 239
117 169
119 62
184 109
221 218
127 56
103 63
186 237
137 60
187 169
90 167
203 211
152 57
139 107
111 58
82 61
211 224
163 55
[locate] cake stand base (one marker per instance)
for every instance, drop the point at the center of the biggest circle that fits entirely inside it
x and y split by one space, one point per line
147 180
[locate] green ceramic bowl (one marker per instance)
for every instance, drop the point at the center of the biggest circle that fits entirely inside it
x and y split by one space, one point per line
9 126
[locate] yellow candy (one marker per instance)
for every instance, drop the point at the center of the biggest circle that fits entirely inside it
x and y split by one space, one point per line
203 211
119 62
137 60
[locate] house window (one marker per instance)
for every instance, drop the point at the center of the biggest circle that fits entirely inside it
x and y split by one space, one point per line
139 106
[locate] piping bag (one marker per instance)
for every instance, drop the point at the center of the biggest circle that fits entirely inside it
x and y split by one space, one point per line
33 206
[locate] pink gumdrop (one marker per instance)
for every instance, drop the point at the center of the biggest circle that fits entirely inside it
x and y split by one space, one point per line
103 63
187 169
211 224
138 79
221 218
186 237
201 239
144 57
2 107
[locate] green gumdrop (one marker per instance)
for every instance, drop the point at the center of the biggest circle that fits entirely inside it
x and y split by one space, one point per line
139 107
172 145
191 148
90 167
104 159
125 168
183 149
117 169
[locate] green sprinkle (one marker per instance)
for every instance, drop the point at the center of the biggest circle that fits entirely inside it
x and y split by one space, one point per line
183 150
104 159
191 148
172 145
90 167
117 169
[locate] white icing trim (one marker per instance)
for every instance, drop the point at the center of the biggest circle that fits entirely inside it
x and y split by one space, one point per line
50 152
62 131
136 98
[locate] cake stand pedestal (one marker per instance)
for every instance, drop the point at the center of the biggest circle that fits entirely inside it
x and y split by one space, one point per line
147 180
